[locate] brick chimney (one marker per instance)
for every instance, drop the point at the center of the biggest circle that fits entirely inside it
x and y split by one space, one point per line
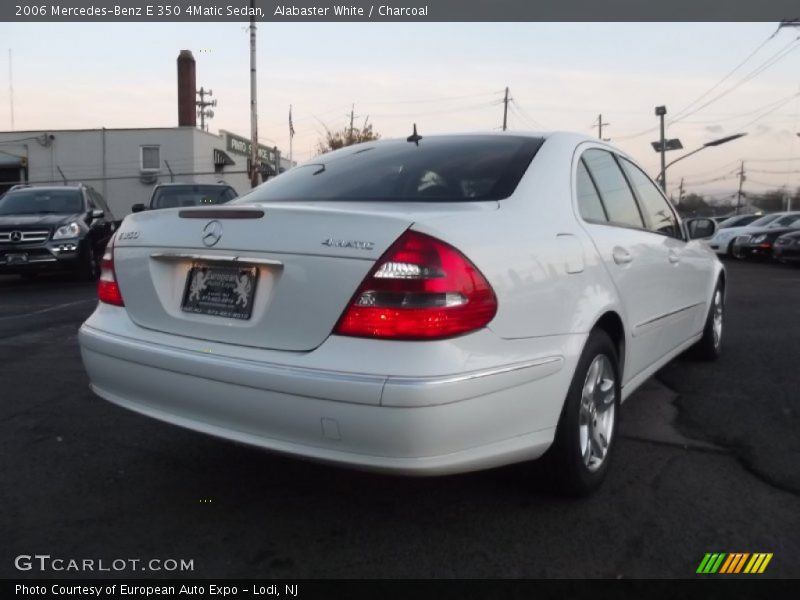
187 114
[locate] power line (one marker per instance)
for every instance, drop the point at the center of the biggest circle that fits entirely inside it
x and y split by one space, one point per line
747 113
726 77
757 119
433 100
775 58
766 64
527 115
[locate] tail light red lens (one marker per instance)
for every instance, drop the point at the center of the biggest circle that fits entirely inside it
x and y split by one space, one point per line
420 289
107 287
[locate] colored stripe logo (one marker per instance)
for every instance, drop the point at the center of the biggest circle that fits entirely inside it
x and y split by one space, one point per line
734 563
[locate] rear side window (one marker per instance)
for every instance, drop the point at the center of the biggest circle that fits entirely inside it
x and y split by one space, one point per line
589 203
614 189
659 213
438 169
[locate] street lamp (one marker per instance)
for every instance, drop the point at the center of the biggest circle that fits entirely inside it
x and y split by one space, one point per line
718 142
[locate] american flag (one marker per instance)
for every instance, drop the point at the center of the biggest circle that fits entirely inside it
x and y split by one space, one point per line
291 127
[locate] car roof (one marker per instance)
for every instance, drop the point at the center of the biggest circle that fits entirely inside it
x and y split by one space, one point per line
188 184
71 186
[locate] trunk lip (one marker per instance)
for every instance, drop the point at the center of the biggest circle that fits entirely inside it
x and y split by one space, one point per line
182 256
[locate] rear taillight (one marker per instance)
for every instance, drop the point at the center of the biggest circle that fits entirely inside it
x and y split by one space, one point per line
420 289
107 287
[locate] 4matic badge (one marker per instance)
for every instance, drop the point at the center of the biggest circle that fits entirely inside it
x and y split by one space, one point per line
357 244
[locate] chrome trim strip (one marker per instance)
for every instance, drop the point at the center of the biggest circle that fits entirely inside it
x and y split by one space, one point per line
462 377
27 236
216 258
669 314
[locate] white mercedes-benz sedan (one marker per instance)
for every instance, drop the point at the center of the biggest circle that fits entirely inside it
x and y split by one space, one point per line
425 306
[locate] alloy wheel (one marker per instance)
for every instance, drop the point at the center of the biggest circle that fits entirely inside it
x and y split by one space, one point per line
596 416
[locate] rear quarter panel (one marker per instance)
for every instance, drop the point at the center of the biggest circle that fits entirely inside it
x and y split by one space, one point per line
541 264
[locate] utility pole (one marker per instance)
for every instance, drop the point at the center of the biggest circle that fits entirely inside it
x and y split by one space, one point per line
202 106
253 101
352 116
505 110
660 112
680 192
600 127
739 193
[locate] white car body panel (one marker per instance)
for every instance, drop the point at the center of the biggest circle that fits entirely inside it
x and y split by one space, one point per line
281 381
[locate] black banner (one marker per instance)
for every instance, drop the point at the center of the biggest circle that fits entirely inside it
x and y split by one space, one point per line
727 588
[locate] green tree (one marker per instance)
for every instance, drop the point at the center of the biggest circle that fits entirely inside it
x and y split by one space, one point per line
346 136
694 205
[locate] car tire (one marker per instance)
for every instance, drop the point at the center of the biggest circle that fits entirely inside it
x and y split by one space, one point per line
710 345
89 267
586 435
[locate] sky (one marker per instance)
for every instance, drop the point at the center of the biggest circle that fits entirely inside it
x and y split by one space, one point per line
445 77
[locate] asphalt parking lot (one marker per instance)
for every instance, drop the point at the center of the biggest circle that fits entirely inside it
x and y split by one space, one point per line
706 462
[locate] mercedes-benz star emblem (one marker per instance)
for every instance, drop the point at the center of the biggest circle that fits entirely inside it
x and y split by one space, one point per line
16 236
212 233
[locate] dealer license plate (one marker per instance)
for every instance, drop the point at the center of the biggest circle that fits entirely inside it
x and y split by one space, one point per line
220 291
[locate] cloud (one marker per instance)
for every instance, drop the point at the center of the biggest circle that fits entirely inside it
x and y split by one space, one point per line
714 128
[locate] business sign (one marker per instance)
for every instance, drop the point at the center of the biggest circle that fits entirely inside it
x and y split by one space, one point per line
240 145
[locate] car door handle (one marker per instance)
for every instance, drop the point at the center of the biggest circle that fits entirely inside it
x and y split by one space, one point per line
621 256
674 258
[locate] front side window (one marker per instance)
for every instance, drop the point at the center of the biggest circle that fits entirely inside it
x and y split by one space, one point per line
151 158
614 189
438 169
659 214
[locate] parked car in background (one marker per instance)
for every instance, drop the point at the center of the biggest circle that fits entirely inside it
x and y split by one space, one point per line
177 195
738 221
758 243
787 248
722 241
54 228
425 306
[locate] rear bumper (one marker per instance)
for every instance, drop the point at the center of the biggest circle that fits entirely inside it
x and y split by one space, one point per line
418 425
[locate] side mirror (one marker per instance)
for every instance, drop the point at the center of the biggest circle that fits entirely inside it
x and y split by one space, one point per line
137 207
98 214
700 228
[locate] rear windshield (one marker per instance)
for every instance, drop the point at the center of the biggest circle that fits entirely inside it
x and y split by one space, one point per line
190 195
33 201
444 169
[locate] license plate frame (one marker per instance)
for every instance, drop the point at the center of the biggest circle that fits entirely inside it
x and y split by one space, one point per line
222 291
17 258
